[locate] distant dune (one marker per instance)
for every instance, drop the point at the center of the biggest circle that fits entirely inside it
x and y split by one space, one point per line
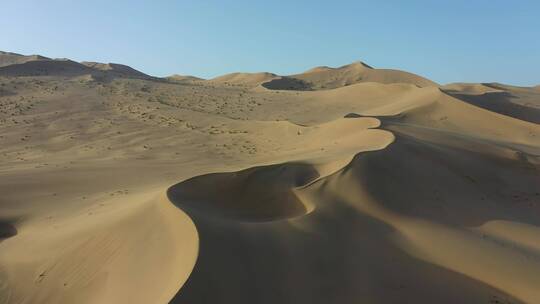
518 102
470 88
336 185
320 78
118 69
330 78
244 78
183 78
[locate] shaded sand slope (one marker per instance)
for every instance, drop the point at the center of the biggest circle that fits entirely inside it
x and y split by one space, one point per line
518 102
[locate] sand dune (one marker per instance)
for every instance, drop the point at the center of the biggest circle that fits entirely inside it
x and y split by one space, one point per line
45 68
518 102
244 78
183 78
330 78
470 88
337 185
377 196
321 78
118 69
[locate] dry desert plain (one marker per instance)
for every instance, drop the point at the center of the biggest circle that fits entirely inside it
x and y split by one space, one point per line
335 185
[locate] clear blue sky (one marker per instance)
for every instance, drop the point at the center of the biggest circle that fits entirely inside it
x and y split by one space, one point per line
446 41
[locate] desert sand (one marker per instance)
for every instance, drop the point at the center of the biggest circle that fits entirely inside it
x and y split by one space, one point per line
336 185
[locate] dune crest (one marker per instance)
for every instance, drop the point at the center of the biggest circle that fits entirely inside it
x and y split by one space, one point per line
268 193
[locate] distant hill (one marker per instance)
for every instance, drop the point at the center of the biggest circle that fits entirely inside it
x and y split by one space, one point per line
46 67
12 64
7 58
118 69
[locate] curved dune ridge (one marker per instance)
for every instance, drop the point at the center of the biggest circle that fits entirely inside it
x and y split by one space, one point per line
387 189
450 238
385 193
267 193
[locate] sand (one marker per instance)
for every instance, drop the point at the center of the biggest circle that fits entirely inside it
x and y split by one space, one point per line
336 185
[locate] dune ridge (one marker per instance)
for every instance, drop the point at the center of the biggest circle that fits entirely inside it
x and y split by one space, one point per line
364 184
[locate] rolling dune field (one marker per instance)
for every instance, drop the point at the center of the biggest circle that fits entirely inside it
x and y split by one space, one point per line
337 185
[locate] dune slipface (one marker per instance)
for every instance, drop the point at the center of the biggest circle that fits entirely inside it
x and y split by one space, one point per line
336 185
